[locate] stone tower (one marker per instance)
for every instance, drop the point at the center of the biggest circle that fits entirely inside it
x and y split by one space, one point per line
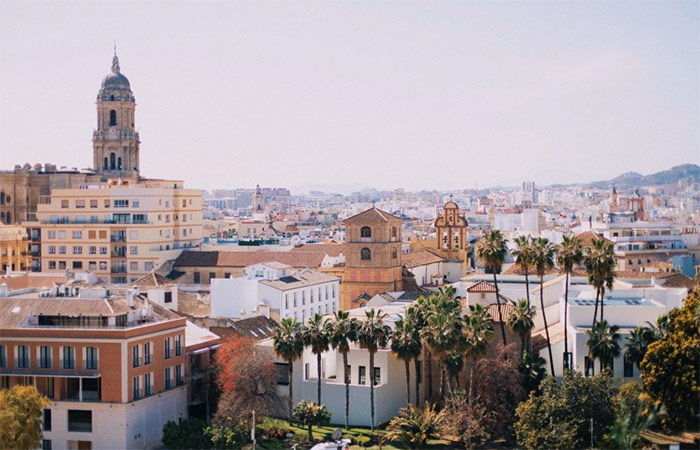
451 227
115 141
372 257
259 210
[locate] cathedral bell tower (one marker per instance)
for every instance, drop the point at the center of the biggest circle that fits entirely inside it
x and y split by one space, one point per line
115 141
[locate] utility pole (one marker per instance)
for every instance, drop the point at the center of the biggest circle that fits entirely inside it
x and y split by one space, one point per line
252 431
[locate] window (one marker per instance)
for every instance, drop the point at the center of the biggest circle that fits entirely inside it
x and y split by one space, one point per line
135 204
121 203
45 357
103 250
362 375
133 266
196 278
135 356
80 203
629 368
64 204
179 380
80 420
588 366
282 372
303 297
365 254
178 345
68 358
348 374
377 375
133 235
93 203
306 371
61 265
134 250
52 265
168 378
394 253
136 385
365 232
3 356
92 250
92 265
167 348
147 353
91 358
77 250
61 234
393 232
62 249
295 299
77 265
22 357
212 275
47 420
103 265
168 297
46 444
52 234
148 265
112 118
148 384
52 249
286 301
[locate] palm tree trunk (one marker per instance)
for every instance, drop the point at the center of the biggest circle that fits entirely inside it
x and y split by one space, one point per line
318 373
371 387
546 329
311 436
347 388
291 382
500 314
566 311
448 382
416 364
523 343
595 311
527 287
471 381
408 381
442 381
602 302
429 361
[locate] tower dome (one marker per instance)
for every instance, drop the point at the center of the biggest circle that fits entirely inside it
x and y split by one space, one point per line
115 86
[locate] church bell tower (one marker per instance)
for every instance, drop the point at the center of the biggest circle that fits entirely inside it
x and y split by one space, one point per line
115 141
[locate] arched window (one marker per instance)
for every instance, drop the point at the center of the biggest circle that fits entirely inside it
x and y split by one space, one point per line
2 215
112 118
119 163
2 198
393 232
394 253
112 161
365 254
111 97
365 232
106 164
9 217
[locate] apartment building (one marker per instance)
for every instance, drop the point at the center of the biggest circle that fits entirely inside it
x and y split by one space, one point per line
14 251
277 291
114 369
120 230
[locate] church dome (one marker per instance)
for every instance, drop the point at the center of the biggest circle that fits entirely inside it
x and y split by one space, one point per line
115 86
116 80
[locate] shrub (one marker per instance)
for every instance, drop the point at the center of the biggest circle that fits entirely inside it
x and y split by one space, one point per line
227 438
185 435
363 441
413 426
310 414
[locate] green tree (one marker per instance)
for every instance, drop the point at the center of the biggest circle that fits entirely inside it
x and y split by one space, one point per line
372 334
442 332
492 250
186 434
310 414
599 261
21 414
532 368
637 344
233 437
569 255
560 417
522 253
520 320
287 344
543 260
671 366
413 426
341 332
315 335
603 343
406 346
478 330
635 413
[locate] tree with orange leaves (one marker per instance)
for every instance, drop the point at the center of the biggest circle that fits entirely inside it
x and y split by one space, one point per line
247 379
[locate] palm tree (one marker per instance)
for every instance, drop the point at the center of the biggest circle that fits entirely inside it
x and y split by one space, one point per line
603 343
372 334
441 335
637 344
341 332
523 258
287 344
492 250
315 335
406 346
569 255
520 320
422 311
659 329
543 260
478 329
600 266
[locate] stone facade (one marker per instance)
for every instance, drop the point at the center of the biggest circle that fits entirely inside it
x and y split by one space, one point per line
372 257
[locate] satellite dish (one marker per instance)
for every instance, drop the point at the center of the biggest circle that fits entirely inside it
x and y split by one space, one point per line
337 434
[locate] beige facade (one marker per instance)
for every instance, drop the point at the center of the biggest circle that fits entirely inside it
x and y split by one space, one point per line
120 230
14 248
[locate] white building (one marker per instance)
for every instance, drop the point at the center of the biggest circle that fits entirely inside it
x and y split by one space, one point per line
278 290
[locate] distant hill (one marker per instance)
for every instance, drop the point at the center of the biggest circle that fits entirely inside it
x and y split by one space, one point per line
690 172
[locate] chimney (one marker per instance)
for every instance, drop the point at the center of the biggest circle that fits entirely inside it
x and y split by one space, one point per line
3 290
130 298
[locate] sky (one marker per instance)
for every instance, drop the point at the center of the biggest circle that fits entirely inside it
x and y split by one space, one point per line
342 95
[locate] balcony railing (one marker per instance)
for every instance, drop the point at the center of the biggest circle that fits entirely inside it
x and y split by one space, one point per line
138 394
118 269
22 363
90 364
180 382
117 238
137 362
67 364
168 353
148 359
178 350
149 390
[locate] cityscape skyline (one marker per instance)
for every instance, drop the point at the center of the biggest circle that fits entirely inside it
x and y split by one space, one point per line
628 97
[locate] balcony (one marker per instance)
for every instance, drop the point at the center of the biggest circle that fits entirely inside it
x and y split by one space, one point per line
138 394
117 238
137 362
22 363
117 269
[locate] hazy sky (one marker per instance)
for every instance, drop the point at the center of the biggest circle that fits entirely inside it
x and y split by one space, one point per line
420 95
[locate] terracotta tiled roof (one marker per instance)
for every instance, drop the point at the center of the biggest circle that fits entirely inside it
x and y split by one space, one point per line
188 303
13 310
421 258
678 280
506 308
482 286
243 259
333 250
32 281
586 238
372 215
153 280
